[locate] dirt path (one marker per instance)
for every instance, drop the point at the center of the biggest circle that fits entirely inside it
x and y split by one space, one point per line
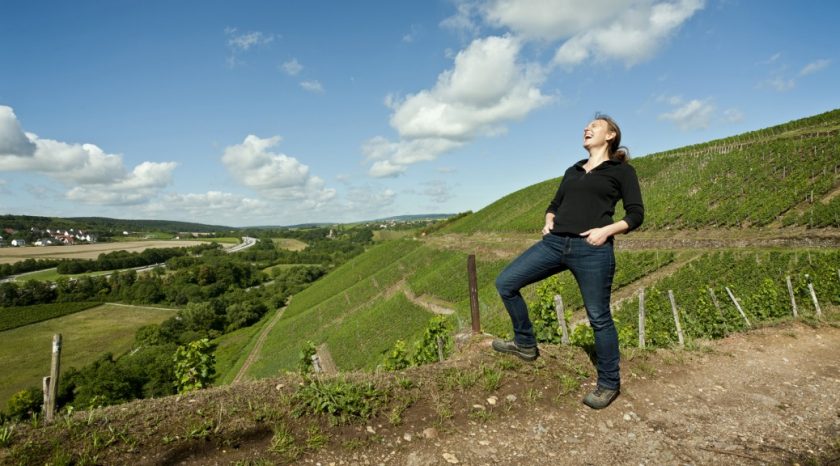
771 396
259 344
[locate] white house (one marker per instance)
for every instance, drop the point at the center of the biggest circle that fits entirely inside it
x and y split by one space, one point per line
18 242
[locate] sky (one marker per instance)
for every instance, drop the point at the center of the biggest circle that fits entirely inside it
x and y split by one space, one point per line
279 112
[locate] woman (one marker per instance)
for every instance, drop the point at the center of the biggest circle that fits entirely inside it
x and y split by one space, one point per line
578 236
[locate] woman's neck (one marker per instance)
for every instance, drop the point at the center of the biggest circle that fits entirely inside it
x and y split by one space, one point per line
598 155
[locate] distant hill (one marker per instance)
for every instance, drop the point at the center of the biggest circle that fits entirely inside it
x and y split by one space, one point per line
104 224
779 176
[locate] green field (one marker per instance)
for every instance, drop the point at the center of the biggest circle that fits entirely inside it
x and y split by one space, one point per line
52 275
291 244
14 317
220 240
25 351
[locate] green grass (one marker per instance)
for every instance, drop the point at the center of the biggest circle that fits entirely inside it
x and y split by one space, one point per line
387 235
233 348
14 317
52 275
25 352
221 240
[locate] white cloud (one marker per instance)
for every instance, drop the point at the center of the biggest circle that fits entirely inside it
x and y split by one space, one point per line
733 115
274 175
12 139
552 19
633 36
463 20
814 67
462 105
692 115
245 40
312 86
438 191
92 175
292 67
778 83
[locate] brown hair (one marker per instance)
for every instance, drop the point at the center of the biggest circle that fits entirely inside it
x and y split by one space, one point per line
616 150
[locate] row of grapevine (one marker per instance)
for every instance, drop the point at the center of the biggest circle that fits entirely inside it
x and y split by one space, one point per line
14 317
758 280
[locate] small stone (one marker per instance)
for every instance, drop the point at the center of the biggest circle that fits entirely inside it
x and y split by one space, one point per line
370 430
279 386
627 417
492 400
430 432
610 424
511 398
407 437
483 443
477 406
450 458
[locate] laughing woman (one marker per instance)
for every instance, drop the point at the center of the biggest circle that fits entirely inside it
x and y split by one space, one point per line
578 236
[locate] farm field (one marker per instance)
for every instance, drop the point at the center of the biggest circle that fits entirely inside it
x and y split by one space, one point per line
291 244
25 351
85 251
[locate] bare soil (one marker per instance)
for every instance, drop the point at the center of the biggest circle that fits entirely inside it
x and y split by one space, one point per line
771 396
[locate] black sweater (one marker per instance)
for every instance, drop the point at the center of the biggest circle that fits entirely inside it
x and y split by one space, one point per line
587 200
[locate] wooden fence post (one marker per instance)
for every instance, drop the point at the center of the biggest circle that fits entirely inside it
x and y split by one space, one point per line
738 306
55 368
792 297
715 301
676 319
561 319
45 386
814 298
642 318
476 322
316 364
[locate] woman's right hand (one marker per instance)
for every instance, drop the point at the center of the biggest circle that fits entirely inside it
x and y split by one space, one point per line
547 228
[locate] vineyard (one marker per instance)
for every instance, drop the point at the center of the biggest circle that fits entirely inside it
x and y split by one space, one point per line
784 174
15 317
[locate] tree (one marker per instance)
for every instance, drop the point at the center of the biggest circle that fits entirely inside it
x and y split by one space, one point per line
195 365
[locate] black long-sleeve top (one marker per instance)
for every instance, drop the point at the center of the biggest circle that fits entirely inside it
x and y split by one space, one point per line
587 200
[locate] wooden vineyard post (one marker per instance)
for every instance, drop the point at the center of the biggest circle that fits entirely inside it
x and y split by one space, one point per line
814 298
440 349
642 318
676 319
738 306
792 297
715 301
561 318
476 322
52 389
45 386
316 364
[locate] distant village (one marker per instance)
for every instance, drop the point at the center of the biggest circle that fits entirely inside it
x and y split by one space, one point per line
46 237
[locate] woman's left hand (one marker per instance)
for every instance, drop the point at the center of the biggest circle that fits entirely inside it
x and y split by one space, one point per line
596 236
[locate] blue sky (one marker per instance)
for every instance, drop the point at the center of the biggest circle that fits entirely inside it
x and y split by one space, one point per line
273 113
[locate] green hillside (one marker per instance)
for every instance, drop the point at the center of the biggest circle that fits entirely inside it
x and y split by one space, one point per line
392 291
760 178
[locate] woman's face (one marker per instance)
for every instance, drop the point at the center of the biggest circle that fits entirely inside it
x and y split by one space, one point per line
597 133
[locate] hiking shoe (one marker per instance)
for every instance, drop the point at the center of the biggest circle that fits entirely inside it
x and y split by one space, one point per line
528 354
600 397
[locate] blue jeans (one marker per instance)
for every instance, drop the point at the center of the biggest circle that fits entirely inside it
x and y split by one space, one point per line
593 267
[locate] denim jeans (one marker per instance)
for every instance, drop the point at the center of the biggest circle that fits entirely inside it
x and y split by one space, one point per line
593 267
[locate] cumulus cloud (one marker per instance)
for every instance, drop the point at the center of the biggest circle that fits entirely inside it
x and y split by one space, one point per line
633 36
692 115
13 142
462 105
733 115
272 174
292 67
92 175
312 86
814 67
